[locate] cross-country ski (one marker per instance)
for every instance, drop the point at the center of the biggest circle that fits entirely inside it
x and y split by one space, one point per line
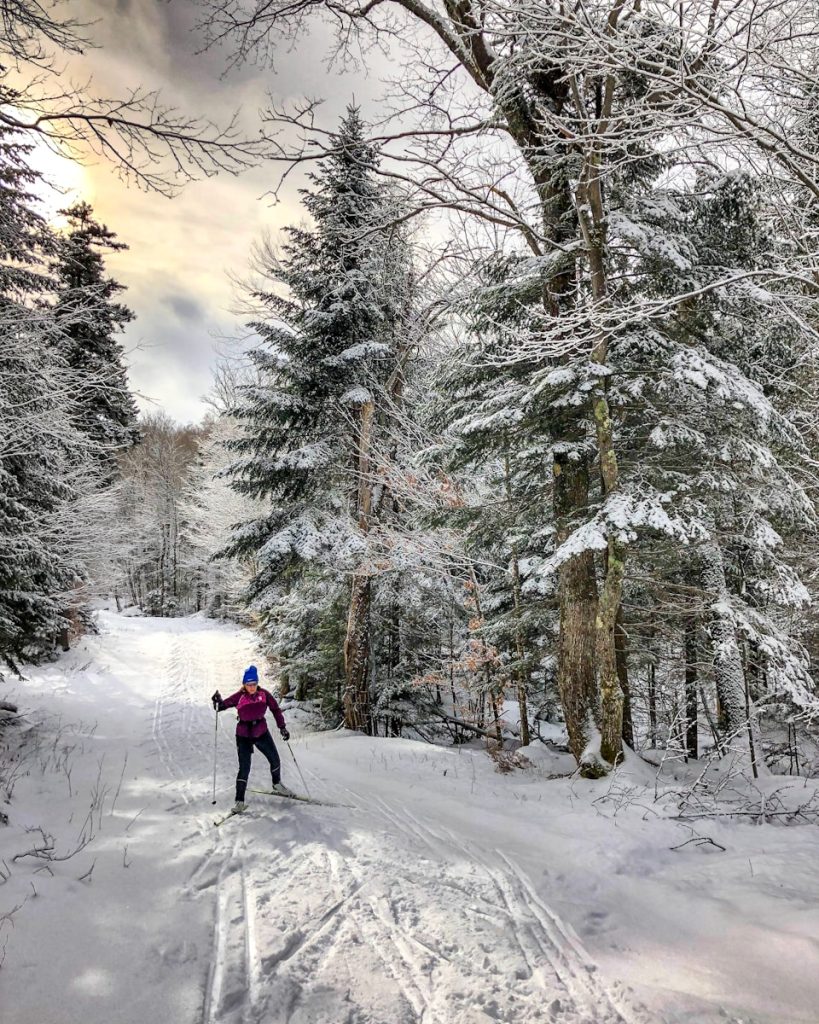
296 796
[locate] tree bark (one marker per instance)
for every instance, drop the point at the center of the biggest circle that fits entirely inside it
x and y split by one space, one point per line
691 688
357 640
621 650
592 219
652 704
727 661
357 657
521 674
576 677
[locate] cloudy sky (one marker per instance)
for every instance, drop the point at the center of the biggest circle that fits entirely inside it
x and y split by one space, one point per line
183 251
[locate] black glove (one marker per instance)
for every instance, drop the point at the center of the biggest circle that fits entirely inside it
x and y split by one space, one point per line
285 735
216 700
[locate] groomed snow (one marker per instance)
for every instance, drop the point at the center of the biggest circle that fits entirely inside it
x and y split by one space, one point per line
437 892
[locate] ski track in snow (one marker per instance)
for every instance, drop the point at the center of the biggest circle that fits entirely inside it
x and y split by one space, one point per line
405 924
361 914
375 902
555 961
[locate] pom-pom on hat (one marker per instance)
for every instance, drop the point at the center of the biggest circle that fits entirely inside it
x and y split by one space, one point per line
250 676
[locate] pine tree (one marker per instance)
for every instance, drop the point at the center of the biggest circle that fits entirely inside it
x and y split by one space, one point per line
90 320
331 360
497 430
711 462
35 424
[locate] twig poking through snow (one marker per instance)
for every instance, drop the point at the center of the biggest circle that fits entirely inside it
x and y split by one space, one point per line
700 841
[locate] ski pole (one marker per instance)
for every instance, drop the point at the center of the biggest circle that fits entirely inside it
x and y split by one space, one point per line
296 763
215 741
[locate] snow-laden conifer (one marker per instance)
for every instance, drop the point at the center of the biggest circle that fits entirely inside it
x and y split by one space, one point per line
90 320
37 438
332 355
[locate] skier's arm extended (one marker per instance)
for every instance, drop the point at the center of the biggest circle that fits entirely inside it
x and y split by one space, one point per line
228 702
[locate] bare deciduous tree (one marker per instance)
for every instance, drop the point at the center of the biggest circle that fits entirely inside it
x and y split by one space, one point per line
147 140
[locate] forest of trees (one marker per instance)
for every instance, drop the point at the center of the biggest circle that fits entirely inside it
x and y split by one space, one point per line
529 431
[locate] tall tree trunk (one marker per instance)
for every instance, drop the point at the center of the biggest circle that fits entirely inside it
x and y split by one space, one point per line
585 637
691 688
652 704
592 220
753 739
357 657
521 672
728 674
577 579
357 640
576 678
621 650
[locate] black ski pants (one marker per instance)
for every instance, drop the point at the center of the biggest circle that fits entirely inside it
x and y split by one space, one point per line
244 747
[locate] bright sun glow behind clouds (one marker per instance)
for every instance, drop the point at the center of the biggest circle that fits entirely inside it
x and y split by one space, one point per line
64 182
183 254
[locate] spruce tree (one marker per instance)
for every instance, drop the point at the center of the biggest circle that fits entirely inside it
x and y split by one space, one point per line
497 432
91 319
332 351
711 461
35 425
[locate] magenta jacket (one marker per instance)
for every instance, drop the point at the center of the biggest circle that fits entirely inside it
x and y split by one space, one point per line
251 711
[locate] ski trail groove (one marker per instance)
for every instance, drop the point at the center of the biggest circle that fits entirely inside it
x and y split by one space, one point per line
383 938
233 988
549 952
450 933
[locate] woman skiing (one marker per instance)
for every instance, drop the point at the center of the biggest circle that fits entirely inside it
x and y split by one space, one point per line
251 703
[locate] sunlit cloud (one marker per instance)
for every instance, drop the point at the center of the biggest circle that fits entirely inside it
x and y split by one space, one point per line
185 254
63 182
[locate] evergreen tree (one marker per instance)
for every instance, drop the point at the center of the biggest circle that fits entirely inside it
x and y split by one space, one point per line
713 468
497 431
91 319
35 424
328 369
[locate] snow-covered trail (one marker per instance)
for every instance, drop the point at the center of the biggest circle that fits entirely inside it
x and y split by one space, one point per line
434 892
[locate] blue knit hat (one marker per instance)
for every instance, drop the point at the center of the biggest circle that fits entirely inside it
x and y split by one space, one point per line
250 676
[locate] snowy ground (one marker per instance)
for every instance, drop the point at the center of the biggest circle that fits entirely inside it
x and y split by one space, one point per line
437 892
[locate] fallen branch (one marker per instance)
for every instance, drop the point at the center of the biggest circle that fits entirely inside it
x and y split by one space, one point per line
460 723
700 841
745 814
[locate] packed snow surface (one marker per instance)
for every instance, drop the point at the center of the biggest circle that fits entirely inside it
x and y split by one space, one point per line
435 890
